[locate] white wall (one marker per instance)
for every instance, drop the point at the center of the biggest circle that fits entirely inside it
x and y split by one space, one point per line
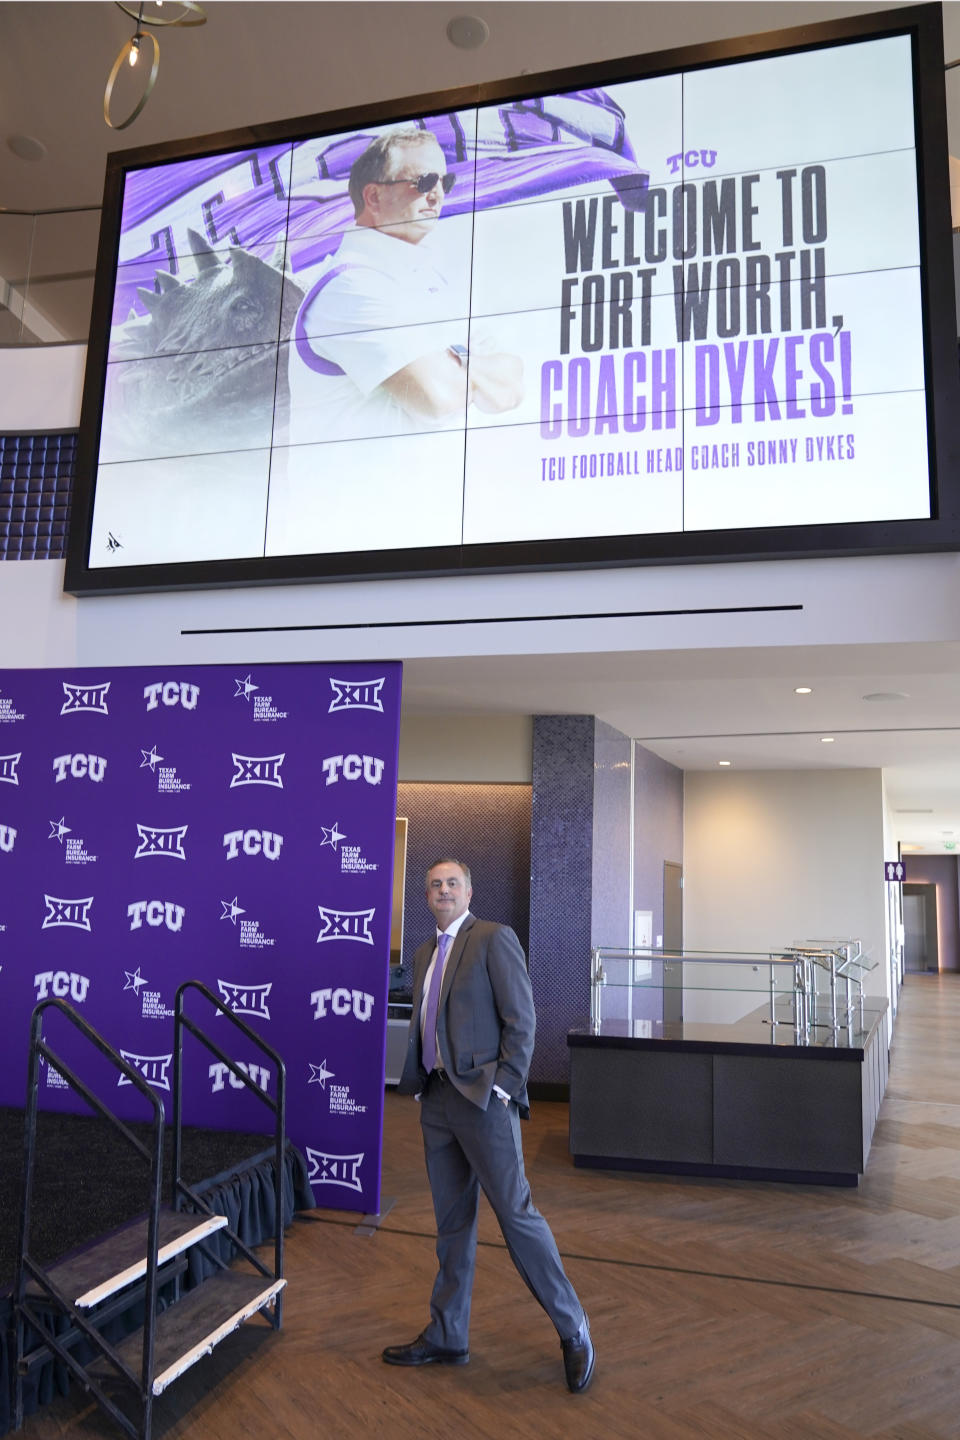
774 857
479 748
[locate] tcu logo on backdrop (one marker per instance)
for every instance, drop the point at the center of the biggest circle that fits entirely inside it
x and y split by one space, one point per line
246 999
61 983
154 1069
85 698
171 692
352 767
156 913
348 695
8 838
220 1073
81 767
334 1169
161 842
341 1002
345 925
253 842
8 768
257 770
73 914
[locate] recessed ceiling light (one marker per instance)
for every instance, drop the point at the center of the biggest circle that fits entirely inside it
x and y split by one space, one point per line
26 147
468 32
724 762
802 690
826 739
881 695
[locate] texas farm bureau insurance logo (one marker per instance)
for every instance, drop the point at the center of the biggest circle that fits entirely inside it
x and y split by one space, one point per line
155 1069
356 695
257 770
263 706
157 841
328 1169
246 999
85 699
67 914
9 713
345 925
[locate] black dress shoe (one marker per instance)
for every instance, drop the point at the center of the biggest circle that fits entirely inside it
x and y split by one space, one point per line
423 1352
578 1358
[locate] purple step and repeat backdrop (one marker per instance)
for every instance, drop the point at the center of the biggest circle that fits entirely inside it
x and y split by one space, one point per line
233 825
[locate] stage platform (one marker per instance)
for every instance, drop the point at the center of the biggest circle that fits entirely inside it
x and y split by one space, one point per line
85 1188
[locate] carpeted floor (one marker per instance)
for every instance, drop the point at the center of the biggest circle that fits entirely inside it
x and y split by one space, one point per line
88 1180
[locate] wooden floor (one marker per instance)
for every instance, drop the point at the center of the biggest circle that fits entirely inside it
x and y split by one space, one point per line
720 1309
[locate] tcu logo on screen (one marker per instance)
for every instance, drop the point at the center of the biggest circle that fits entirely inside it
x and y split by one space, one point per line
61 983
692 159
8 838
72 914
341 1002
253 842
345 925
171 692
155 1069
8 768
221 1075
350 695
246 999
334 1169
81 767
167 842
351 767
156 913
91 699
257 770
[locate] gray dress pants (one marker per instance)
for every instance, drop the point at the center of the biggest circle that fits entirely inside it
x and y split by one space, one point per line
468 1149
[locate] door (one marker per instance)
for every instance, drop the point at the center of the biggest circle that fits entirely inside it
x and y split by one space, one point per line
672 939
920 945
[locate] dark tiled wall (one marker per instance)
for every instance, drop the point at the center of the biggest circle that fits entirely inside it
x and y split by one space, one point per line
36 484
611 837
561 857
485 826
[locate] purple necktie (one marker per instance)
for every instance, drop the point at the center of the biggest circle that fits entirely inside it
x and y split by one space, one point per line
433 1001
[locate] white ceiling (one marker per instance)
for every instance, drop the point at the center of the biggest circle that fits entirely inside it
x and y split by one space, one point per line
258 62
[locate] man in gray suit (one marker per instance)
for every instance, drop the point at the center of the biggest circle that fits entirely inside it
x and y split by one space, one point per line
468 1055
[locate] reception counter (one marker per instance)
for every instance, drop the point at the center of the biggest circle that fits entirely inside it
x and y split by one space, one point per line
742 1100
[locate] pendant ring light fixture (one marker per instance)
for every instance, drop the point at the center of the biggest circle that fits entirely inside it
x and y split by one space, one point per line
187 13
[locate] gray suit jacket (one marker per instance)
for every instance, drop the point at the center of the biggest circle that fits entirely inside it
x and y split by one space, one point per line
485 1019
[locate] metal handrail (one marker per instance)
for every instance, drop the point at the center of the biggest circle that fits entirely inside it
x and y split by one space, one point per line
837 959
26 1265
179 1188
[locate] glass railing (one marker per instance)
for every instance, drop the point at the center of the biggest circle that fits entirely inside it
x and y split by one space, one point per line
47 264
809 985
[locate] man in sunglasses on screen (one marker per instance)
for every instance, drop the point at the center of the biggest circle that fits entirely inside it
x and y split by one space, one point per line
382 344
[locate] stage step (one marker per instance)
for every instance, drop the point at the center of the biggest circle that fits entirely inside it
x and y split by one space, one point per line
190 1329
116 1262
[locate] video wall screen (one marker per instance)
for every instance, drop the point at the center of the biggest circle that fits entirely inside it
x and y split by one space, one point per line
682 314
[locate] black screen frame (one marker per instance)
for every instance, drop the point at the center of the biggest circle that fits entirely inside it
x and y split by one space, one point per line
941 531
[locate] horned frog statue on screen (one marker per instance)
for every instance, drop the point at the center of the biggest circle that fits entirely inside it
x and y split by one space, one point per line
203 370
